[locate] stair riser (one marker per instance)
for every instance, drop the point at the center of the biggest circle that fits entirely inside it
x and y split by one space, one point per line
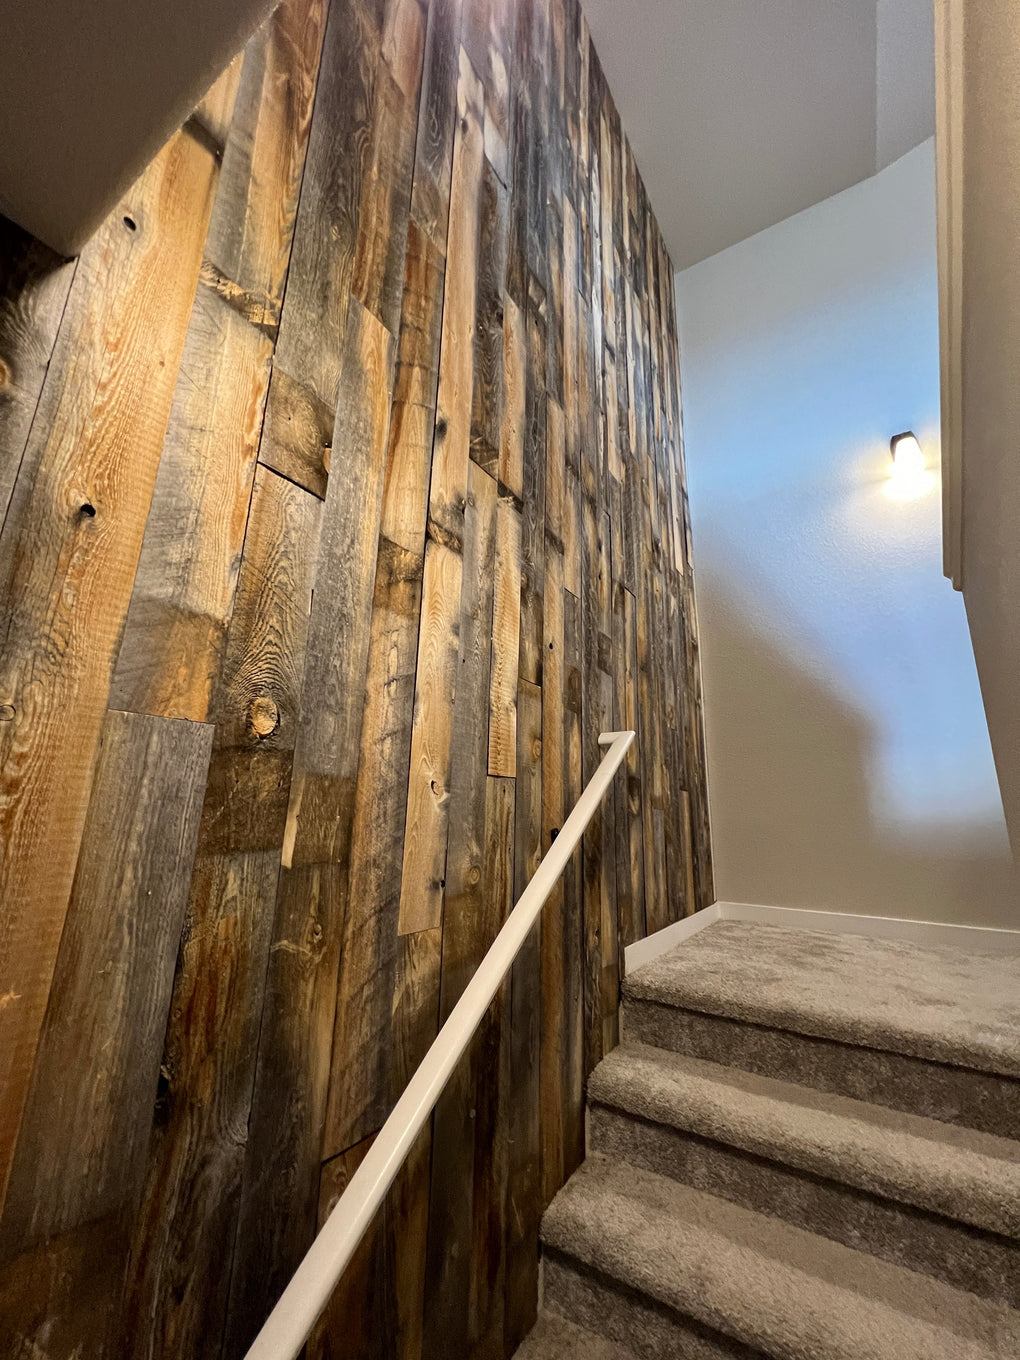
953 1252
955 1095
645 1327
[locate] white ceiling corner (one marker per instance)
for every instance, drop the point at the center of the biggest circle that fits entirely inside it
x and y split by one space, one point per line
743 112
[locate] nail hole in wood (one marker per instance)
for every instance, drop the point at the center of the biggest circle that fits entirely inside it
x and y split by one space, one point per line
88 510
130 223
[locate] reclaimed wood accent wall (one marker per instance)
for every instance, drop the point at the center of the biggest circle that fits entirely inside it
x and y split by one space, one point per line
343 506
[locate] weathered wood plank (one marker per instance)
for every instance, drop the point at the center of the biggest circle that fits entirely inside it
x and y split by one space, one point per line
412 425
437 118
533 513
573 897
555 986
506 629
312 327
310 344
66 568
486 1301
378 279
33 290
466 931
288 1109
487 399
84 1136
464 372
170 654
524 1186
177 1288
515 389
359 1091
428 787
252 227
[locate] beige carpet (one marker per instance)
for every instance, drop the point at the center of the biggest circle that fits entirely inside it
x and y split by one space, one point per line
940 1004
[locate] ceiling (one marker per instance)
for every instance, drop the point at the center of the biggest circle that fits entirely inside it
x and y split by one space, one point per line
744 112
89 92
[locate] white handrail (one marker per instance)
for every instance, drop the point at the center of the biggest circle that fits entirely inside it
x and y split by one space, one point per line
289 1324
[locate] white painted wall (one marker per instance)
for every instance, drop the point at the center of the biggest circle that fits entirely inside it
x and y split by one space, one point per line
849 760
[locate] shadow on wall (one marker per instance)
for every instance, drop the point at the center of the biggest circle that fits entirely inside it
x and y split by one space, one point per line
792 821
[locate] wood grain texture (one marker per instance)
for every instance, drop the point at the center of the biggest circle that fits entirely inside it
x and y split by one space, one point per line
176 1290
33 290
123 924
68 561
343 505
428 790
279 1196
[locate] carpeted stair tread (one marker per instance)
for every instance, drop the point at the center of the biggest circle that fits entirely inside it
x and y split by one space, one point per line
773 1287
943 1005
554 1338
968 1176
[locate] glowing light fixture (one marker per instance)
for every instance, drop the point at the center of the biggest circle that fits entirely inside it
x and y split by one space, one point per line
910 476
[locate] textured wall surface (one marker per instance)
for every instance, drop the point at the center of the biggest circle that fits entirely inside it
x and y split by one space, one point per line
343 507
849 761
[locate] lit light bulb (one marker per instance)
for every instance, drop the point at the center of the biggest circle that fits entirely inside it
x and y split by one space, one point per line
910 477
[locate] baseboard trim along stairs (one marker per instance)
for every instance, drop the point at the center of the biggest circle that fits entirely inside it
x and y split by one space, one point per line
804 1148
973 939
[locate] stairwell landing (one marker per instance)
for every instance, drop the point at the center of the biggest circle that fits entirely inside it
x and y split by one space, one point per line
805 1148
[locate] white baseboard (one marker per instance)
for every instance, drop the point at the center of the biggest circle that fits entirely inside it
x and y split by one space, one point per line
973 939
643 951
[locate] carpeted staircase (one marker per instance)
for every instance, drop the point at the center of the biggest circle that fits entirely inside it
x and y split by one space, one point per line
803 1149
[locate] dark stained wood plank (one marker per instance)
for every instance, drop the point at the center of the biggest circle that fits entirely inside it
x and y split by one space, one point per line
487 399
533 513
555 986
312 327
437 118
524 1187
177 1288
486 1301
69 553
628 790
359 1320
63 1294
573 898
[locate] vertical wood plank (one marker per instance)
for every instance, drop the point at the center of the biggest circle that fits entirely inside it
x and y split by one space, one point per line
33 290
280 1189
524 1187
428 789
81 1155
184 1232
95 452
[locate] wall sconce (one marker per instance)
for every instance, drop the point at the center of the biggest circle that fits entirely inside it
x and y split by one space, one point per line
910 476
